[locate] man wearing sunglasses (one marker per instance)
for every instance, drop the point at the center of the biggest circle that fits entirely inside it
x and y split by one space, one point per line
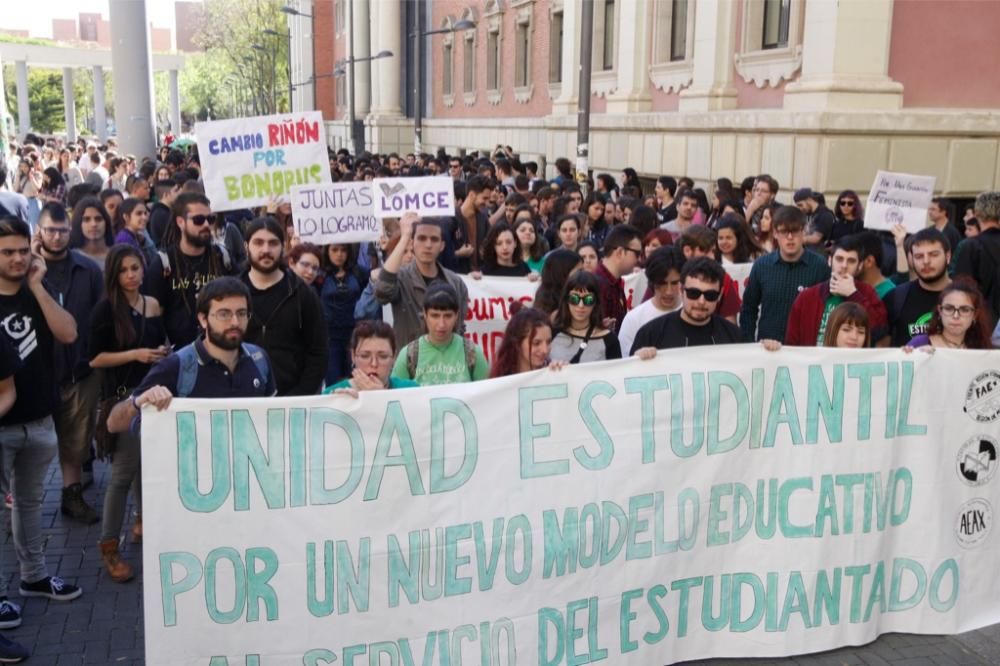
622 249
696 324
819 218
189 260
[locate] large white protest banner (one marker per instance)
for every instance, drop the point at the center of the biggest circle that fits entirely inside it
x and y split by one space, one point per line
737 503
247 161
335 213
899 198
427 196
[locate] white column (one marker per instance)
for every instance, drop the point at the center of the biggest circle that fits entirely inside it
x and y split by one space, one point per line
633 59
712 80
3 115
845 58
132 68
303 64
385 31
565 104
175 104
23 108
362 49
100 117
69 104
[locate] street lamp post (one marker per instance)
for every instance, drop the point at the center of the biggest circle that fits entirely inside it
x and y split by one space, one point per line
418 91
292 11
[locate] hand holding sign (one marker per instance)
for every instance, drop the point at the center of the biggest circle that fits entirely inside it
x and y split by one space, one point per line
428 197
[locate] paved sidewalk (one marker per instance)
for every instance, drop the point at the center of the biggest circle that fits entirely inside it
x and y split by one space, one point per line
104 626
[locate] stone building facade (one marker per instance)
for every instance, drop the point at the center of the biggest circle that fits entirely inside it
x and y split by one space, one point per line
815 92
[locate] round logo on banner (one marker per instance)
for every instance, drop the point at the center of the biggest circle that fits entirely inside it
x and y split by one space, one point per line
977 460
894 216
974 522
982 399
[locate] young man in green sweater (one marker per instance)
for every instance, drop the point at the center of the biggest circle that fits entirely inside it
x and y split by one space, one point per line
441 356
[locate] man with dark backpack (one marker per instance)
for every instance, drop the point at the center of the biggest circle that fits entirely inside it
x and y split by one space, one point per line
189 261
442 356
218 365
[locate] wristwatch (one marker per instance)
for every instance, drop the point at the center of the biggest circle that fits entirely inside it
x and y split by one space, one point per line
135 405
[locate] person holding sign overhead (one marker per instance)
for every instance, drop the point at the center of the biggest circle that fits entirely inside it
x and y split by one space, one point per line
404 286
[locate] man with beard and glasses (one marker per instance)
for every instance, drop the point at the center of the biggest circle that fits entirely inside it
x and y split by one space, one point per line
696 323
75 282
286 317
217 365
31 321
911 305
188 262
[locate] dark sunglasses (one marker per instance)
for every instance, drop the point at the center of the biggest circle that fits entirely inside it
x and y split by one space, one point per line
586 299
201 219
846 202
693 294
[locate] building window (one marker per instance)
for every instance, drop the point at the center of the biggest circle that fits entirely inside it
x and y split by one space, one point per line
776 16
522 65
469 65
608 46
493 60
770 41
673 44
555 47
446 83
678 30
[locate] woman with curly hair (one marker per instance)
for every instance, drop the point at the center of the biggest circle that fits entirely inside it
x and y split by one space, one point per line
526 343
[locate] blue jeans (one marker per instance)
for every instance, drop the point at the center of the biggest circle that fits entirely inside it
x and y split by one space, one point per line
25 453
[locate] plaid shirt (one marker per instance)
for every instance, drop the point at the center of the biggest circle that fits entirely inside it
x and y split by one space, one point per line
773 286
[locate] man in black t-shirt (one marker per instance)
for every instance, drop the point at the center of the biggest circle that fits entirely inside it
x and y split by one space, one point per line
696 323
32 321
189 262
912 304
286 318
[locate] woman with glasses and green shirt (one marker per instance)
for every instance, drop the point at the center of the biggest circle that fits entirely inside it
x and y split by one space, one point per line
580 337
373 352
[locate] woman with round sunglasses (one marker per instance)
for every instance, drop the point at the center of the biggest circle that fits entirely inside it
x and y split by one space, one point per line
580 337
849 216
960 321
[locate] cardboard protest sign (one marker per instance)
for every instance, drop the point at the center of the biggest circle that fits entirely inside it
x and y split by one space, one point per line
899 198
428 196
734 504
335 213
246 161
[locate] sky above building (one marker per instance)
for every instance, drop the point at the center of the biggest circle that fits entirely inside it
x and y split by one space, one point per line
36 17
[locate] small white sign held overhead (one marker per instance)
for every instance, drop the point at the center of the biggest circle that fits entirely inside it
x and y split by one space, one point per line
899 198
335 213
430 196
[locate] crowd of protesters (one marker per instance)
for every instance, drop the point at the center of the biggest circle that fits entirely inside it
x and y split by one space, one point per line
122 285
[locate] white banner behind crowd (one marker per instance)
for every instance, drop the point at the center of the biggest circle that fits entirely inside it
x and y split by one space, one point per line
899 198
727 503
247 161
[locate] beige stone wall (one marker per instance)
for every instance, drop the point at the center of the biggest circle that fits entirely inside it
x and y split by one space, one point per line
827 151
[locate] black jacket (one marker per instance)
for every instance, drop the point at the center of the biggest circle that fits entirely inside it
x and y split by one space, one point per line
294 336
86 289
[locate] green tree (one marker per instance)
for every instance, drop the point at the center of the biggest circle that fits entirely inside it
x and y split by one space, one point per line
45 98
247 37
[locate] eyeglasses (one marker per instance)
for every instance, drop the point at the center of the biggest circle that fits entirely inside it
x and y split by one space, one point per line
586 299
846 202
787 233
693 294
226 316
368 357
638 253
201 219
54 232
306 266
949 310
